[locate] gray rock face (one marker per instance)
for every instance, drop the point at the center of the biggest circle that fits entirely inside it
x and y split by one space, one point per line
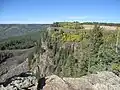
54 82
23 82
101 81
14 64
23 67
43 62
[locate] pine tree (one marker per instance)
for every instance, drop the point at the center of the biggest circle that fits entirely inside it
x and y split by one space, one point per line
96 41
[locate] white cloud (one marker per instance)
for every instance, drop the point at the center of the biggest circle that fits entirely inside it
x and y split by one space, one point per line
77 17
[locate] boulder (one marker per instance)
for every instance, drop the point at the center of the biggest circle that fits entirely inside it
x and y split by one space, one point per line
26 81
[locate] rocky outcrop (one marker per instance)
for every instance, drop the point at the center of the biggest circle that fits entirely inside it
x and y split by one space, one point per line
23 67
54 82
42 64
100 81
24 81
15 64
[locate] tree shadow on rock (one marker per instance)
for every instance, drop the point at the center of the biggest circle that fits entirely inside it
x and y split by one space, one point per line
41 83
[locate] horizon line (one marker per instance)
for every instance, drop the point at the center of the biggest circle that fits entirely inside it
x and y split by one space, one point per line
51 22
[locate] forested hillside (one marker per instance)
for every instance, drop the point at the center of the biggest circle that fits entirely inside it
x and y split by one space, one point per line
71 52
20 36
66 51
9 30
76 53
20 42
60 24
85 25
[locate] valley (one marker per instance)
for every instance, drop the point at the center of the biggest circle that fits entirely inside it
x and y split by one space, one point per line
63 52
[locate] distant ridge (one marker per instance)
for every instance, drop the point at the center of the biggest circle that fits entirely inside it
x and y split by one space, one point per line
10 30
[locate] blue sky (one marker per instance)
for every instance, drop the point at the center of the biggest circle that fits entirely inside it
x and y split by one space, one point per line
48 11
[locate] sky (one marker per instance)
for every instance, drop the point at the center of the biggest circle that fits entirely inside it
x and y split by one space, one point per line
49 11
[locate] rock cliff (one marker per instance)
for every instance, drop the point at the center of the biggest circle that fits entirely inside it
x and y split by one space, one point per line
100 81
